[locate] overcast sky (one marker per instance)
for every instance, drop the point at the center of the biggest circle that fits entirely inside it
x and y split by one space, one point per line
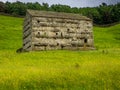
72 3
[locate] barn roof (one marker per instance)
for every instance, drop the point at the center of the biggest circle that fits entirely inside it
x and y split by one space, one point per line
36 13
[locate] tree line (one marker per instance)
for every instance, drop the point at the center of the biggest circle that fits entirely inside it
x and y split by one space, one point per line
102 14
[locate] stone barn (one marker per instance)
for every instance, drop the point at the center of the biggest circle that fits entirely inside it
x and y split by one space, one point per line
46 30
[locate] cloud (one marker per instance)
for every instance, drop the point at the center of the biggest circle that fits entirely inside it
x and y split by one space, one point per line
72 3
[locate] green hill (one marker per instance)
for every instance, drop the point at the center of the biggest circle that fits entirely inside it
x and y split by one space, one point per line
59 69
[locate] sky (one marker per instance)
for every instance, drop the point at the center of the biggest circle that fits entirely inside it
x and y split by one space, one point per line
72 3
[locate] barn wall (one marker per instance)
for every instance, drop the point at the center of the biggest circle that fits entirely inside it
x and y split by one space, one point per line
27 35
55 33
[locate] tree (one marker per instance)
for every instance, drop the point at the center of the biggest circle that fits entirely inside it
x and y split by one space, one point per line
103 14
2 7
45 6
106 13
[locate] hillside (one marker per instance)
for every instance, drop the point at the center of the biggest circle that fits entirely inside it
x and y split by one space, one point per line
59 69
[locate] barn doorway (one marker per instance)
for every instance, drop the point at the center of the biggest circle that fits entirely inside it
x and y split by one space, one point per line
85 40
85 43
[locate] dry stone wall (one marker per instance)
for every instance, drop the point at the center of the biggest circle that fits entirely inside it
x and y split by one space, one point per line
27 33
58 33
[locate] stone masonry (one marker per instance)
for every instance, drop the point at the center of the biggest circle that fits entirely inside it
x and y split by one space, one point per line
46 30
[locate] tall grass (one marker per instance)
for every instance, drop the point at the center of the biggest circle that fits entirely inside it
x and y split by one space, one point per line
59 69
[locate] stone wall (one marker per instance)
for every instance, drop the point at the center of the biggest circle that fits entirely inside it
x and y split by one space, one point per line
45 33
27 33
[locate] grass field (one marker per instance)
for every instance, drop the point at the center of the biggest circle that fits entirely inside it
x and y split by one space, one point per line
60 69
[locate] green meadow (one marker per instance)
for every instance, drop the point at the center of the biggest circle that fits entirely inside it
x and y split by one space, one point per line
59 69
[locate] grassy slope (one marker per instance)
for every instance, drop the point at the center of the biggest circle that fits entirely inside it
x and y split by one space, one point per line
61 69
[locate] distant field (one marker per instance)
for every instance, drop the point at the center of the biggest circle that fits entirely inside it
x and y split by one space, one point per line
59 69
